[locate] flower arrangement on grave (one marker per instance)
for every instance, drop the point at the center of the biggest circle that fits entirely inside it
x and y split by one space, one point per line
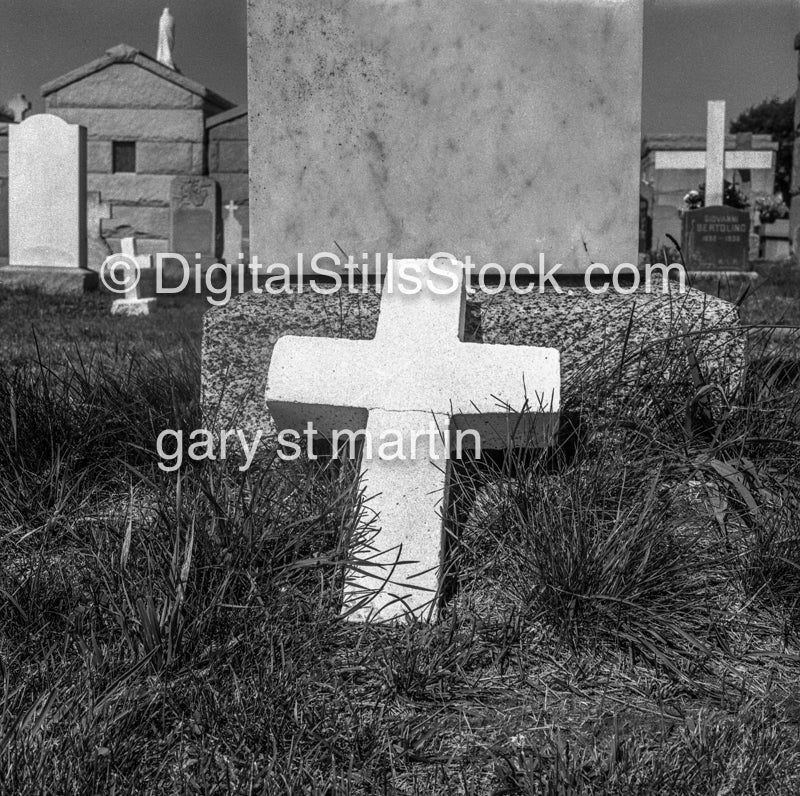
731 196
771 208
693 200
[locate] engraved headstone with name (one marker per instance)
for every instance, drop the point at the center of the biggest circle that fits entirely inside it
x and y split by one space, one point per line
194 213
716 239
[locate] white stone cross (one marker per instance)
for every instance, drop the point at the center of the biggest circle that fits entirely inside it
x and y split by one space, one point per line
131 265
414 382
232 234
129 249
19 106
714 159
124 276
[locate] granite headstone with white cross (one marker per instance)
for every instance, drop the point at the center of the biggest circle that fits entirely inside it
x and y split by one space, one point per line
494 130
411 390
715 237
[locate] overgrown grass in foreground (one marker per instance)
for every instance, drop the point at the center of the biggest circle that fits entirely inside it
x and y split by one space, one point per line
626 619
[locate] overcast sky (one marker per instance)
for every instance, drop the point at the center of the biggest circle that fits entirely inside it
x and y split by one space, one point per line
694 50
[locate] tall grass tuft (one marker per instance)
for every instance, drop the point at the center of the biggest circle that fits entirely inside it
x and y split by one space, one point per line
625 616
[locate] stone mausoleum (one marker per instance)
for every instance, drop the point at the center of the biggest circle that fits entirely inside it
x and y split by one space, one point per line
146 123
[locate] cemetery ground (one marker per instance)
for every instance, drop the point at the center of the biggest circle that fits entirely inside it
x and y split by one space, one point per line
626 615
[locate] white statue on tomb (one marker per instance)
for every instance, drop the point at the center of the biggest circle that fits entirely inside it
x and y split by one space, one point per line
166 39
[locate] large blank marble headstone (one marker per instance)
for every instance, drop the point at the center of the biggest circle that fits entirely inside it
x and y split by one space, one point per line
47 193
497 129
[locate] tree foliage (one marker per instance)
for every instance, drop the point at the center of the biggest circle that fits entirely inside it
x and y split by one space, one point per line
774 117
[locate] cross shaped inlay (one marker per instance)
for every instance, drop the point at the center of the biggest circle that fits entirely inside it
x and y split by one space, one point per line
96 212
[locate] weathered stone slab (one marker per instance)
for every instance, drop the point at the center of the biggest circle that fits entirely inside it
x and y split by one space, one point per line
194 207
498 130
590 332
48 280
47 193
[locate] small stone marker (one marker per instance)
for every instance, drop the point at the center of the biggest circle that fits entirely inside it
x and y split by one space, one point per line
194 209
133 304
414 377
232 231
97 248
19 106
47 193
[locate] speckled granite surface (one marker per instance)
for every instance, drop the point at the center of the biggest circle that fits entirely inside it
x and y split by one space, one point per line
589 330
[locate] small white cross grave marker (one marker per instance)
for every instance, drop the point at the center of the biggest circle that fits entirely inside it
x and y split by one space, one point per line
129 249
232 234
128 263
715 159
415 380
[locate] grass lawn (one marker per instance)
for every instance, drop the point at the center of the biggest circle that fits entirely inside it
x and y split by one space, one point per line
626 619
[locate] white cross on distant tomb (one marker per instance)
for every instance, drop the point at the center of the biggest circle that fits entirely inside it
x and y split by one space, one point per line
19 106
714 160
232 234
407 387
